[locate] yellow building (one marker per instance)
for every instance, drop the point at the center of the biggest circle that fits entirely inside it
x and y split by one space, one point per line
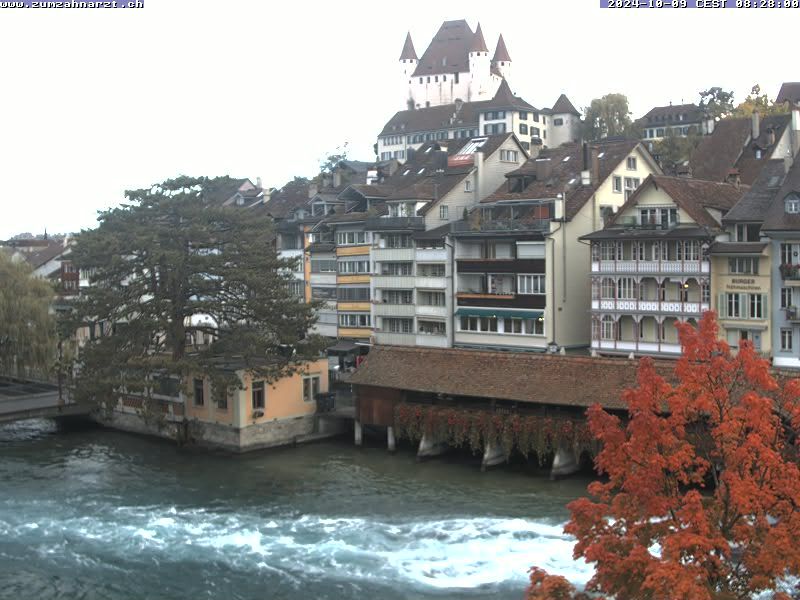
260 414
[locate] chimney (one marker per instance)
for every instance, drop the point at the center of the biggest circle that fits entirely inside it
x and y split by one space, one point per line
258 182
733 178
595 165
543 168
586 174
795 129
337 178
479 175
313 188
756 129
441 160
771 136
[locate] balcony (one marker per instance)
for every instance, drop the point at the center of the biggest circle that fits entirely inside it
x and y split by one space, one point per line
636 347
394 223
790 272
427 310
500 265
651 266
383 309
392 254
395 339
500 225
793 314
426 255
430 283
635 223
509 300
651 306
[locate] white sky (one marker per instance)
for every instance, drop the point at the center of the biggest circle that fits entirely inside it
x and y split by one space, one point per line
93 102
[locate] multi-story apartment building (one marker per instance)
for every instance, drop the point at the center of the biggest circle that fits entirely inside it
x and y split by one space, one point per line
502 113
678 120
521 272
412 262
650 266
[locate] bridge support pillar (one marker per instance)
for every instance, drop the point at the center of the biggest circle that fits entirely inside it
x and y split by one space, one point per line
494 454
428 448
390 441
564 463
357 433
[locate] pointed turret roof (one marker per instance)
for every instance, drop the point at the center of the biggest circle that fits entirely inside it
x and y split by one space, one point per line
478 43
501 52
408 49
505 98
563 106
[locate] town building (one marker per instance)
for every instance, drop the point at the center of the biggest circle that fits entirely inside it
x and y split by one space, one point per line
521 271
650 266
503 112
738 148
678 120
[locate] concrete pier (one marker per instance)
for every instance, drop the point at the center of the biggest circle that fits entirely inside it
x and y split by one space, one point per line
390 441
493 455
357 432
428 448
564 463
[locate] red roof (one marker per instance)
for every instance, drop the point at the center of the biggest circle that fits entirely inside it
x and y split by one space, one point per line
478 43
408 49
501 52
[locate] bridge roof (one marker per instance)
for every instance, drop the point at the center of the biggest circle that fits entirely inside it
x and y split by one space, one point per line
578 381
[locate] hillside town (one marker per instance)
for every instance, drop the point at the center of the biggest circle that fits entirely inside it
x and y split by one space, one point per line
532 285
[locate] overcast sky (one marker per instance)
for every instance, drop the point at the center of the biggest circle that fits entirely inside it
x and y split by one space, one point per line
94 102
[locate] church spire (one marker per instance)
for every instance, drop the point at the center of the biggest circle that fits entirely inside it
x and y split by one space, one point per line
478 43
408 49
501 52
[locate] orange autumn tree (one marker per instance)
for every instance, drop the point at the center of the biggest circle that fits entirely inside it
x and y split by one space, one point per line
702 496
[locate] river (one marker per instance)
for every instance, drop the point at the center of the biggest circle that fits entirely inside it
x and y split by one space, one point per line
97 514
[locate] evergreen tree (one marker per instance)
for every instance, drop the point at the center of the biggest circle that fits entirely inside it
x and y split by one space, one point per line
170 266
27 329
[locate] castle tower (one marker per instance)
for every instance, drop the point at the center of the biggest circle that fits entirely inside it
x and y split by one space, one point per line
478 66
501 62
408 63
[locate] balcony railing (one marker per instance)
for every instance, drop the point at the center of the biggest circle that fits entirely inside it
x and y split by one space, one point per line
650 266
653 347
790 272
793 314
500 225
652 306
392 223
635 223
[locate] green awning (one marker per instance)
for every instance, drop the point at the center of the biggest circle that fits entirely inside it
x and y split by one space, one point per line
498 312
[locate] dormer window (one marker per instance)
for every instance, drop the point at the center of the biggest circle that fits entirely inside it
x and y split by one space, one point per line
421 171
792 204
566 158
758 153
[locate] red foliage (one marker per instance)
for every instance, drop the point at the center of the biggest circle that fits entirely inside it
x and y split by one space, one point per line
702 497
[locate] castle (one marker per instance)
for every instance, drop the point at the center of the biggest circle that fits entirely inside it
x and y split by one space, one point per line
456 65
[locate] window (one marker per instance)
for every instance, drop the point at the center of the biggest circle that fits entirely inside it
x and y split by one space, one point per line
482 324
310 387
351 238
748 232
523 115
432 327
705 293
608 289
786 340
630 163
607 328
494 115
467 185
323 266
350 267
443 212
396 268
756 306
625 288
558 122
743 266
323 293
733 305
199 392
793 204
631 183
610 251
530 284
508 155
431 298
398 325
664 217
536 117
398 296
524 326
535 132
523 128
397 240
352 294
296 288
786 298
493 129
617 184
257 395
787 254
430 270
354 320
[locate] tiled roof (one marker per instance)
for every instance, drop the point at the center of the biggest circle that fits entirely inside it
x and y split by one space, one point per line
727 148
523 377
694 196
43 256
755 202
566 166
789 92
501 52
408 49
777 219
478 42
447 116
671 115
564 106
448 51
220 189
289 198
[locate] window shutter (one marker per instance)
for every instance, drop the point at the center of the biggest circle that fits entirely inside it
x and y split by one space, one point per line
744 306
764 305
722 308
